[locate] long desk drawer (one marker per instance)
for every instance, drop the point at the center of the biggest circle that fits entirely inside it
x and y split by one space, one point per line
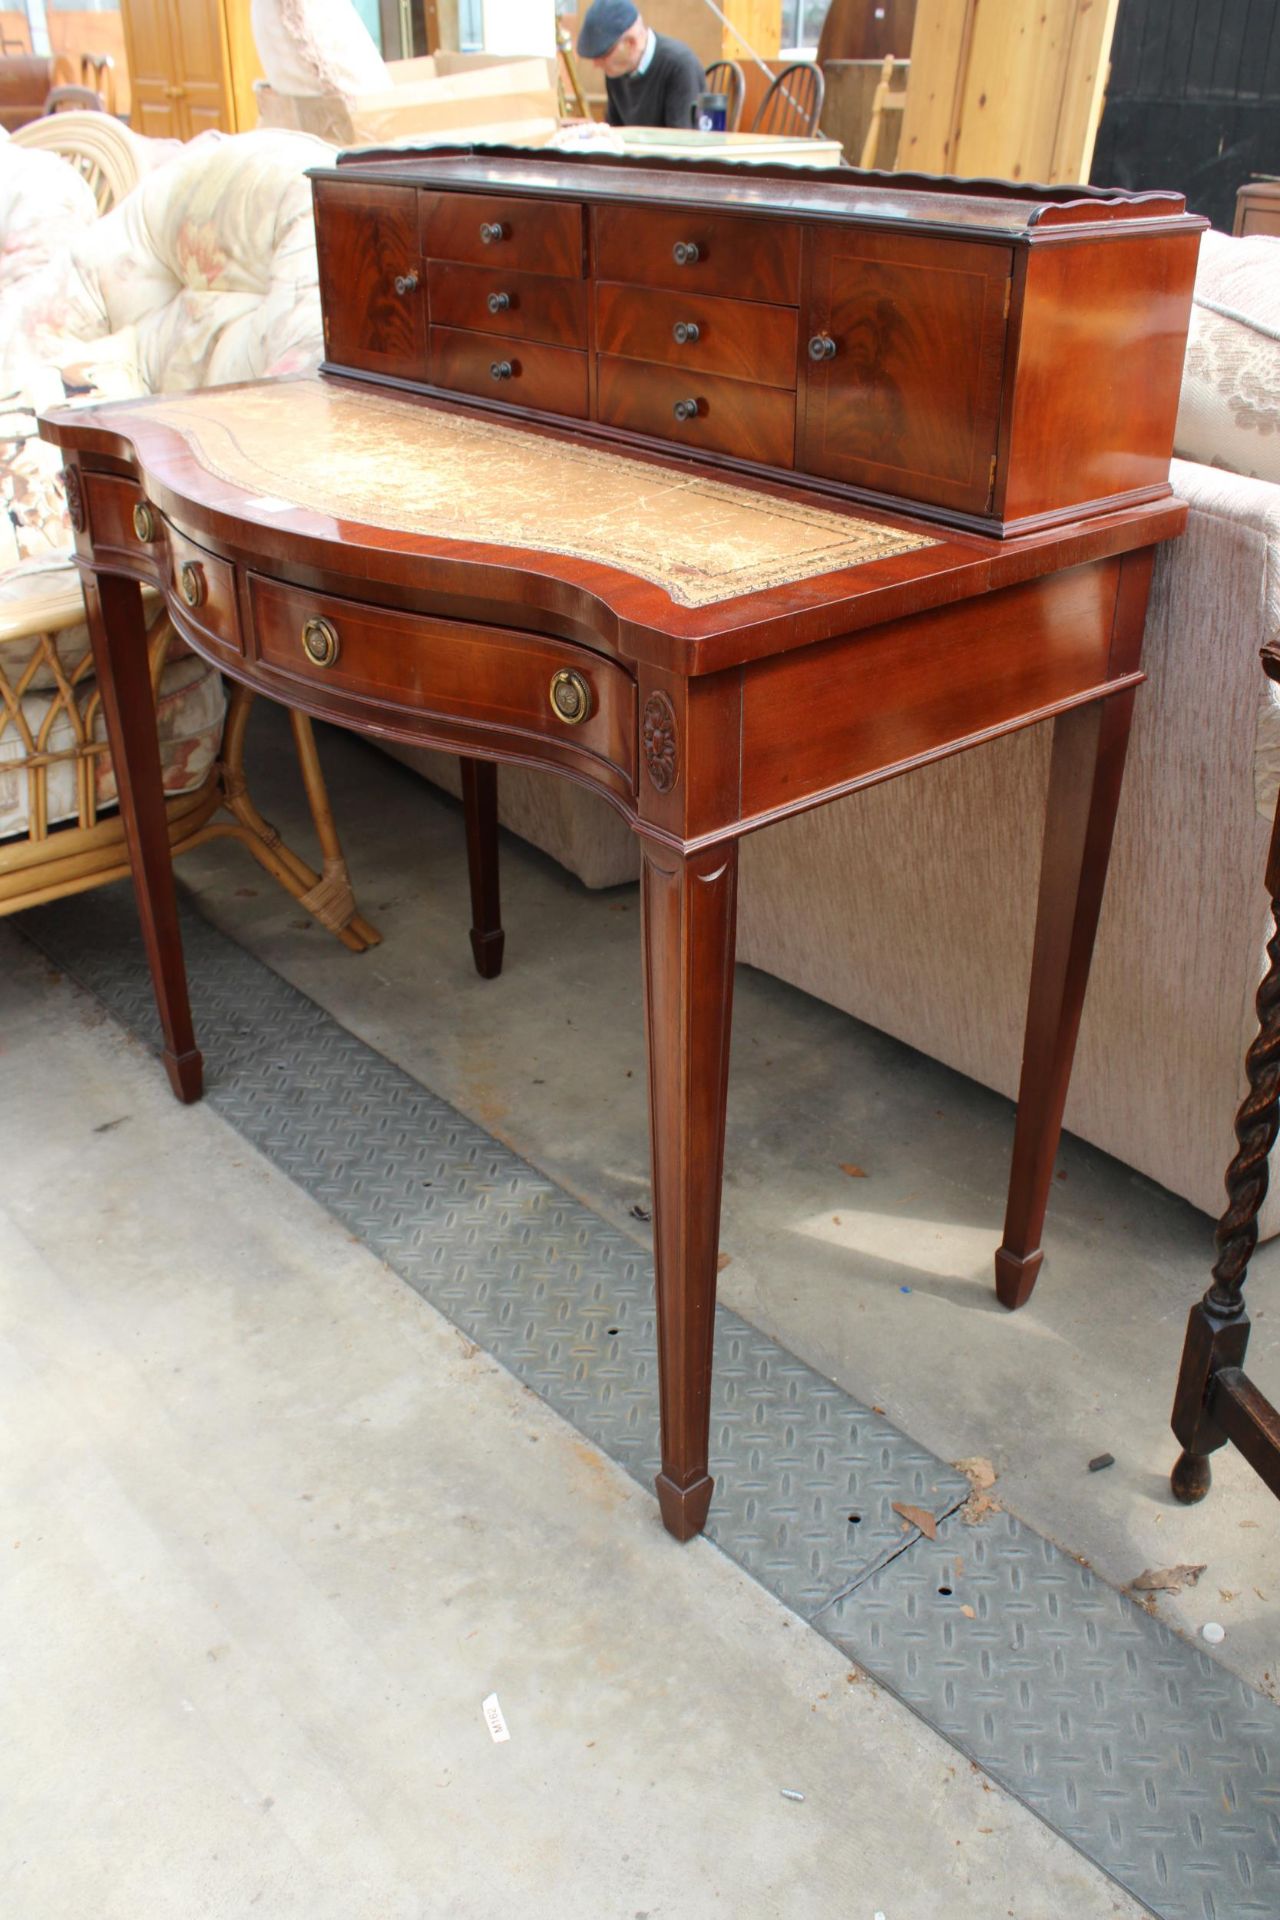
485 230
521 681
525 306
699 410
526 373
697 252
743 338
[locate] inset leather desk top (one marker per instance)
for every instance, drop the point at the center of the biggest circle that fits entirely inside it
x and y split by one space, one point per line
371 457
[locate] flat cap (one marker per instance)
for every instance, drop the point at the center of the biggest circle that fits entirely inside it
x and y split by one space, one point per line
603 26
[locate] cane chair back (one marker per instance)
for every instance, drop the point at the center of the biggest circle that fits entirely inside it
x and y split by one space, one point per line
98 147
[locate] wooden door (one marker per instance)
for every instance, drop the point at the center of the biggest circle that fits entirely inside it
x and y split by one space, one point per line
372 279
155 108
199 67
907 399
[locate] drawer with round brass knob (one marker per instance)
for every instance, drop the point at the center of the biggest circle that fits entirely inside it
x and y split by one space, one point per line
145 525
203 593
493 299
415 671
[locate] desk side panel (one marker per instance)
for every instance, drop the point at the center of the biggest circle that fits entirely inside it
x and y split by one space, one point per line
875 703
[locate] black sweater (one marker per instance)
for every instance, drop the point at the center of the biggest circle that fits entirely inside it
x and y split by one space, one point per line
664 94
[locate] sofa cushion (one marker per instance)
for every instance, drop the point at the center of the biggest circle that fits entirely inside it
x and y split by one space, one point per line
317 47
1230 409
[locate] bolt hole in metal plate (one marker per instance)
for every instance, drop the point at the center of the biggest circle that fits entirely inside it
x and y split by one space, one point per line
1162 1767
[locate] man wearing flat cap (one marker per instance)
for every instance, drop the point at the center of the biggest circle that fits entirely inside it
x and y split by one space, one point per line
651 80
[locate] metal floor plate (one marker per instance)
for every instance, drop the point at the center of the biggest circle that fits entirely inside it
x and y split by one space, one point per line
1159 1765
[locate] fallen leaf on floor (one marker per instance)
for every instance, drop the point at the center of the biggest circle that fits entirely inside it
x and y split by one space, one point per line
854 1173
968 1613
917 1517
1225 1593
722 1261
1165 1579
1246 1523
835 1219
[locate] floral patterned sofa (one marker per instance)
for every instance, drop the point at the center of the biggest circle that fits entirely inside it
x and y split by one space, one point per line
205 273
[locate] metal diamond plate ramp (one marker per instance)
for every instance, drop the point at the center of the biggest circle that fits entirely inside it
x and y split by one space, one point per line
806 1477
1160 1766
1155 1761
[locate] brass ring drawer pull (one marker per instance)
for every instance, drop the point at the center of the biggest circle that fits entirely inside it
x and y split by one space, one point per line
320 642
144 523
191 583
570 697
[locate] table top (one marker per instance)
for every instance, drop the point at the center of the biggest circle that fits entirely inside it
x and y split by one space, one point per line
659 555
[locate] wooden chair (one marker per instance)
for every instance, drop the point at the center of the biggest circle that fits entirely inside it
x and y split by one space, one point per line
727 77
98 147
883 101
793 104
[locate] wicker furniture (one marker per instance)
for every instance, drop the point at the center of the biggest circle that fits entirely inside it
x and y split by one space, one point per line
102 151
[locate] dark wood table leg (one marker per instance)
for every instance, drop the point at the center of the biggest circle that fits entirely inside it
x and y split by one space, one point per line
118 632
480 806
1089 746
689 908
1214 1403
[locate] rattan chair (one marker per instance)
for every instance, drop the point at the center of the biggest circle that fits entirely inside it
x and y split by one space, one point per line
726 76
102 151
793 104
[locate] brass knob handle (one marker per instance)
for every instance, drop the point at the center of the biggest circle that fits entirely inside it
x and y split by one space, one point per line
685 409
501 370
492 230
191 582
570 697
499 302
144 522
320 642
686 332
407 282
685 253
822 347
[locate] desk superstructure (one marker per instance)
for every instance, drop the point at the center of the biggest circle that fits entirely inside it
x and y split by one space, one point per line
721 494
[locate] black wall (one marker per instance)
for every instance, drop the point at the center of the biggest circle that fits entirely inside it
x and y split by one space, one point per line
1193 102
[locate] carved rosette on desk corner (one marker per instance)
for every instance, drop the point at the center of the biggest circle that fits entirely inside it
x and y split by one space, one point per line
660 741
75 498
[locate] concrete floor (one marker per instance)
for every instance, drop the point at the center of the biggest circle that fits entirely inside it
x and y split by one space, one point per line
274 1531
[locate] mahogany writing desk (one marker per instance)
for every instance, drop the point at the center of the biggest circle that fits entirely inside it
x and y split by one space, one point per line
709 644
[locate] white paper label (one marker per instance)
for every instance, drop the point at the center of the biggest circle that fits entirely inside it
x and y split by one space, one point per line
493 1718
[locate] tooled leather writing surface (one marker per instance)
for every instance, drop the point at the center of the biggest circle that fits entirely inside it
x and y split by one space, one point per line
366 457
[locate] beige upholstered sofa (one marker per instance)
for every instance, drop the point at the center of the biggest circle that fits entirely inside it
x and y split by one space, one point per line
912 906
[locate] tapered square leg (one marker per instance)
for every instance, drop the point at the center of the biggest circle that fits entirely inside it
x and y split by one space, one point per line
1089 745
689 912
118 632
480 806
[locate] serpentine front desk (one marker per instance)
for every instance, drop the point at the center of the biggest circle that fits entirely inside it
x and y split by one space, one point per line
710 648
